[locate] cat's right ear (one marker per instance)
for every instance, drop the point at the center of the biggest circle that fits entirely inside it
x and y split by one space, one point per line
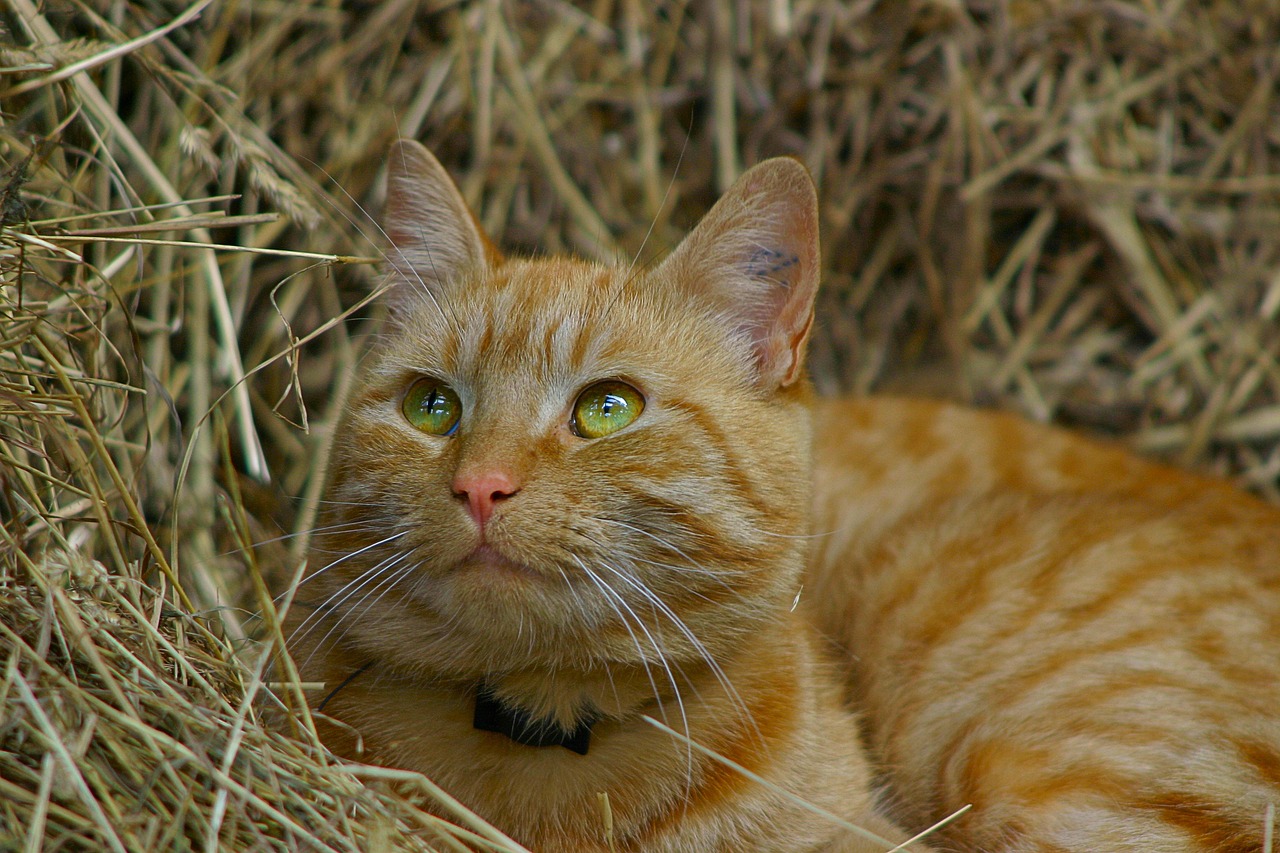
755 258
434 237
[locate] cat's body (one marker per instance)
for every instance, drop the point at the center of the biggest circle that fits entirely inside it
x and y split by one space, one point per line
1083 645
583 495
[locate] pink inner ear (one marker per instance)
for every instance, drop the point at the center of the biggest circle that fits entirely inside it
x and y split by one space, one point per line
780 317
782 257
782 337
755 254
788 353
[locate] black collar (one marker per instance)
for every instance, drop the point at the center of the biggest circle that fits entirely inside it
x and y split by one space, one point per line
521 727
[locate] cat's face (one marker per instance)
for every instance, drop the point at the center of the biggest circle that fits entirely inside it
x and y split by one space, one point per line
557 463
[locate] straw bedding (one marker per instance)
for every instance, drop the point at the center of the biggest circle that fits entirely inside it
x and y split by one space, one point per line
1066 208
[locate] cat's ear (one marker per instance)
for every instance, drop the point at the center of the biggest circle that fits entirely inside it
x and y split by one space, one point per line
434 236
755 256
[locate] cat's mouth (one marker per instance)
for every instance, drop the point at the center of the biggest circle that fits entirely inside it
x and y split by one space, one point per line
486 558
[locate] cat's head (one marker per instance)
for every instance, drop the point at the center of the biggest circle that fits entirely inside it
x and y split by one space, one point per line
557 463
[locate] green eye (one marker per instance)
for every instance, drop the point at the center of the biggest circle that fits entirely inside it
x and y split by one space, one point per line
605 408
432 406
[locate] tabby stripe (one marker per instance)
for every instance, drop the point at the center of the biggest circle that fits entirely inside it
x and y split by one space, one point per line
731 466
1263 757
1206 823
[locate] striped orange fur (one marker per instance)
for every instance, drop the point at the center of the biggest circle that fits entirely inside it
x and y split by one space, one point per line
649 572
1082 645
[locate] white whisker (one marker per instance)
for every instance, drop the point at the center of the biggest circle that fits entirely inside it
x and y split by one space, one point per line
655 600
341 595
285 537
612 595
346 556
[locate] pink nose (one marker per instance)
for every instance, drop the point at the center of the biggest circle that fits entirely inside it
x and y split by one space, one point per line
482 490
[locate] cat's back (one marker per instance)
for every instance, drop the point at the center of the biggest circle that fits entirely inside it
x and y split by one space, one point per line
1081 644
900 453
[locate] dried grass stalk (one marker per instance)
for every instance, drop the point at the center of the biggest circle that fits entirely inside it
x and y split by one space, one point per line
1063 207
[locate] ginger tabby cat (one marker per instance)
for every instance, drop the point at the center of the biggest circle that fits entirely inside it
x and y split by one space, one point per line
566 497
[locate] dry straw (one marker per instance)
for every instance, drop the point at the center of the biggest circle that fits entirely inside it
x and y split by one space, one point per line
1067 208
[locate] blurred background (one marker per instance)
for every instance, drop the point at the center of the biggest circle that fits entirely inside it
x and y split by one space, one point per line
1060 207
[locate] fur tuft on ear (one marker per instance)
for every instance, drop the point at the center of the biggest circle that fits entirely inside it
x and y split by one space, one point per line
755 256
434 236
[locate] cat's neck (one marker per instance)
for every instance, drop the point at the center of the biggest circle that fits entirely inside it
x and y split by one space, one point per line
751 723
623 692
565 695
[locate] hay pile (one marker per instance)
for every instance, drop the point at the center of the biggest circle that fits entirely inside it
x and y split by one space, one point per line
1063 207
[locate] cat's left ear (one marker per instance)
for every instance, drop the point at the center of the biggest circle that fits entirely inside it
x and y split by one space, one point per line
755 255
435 238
